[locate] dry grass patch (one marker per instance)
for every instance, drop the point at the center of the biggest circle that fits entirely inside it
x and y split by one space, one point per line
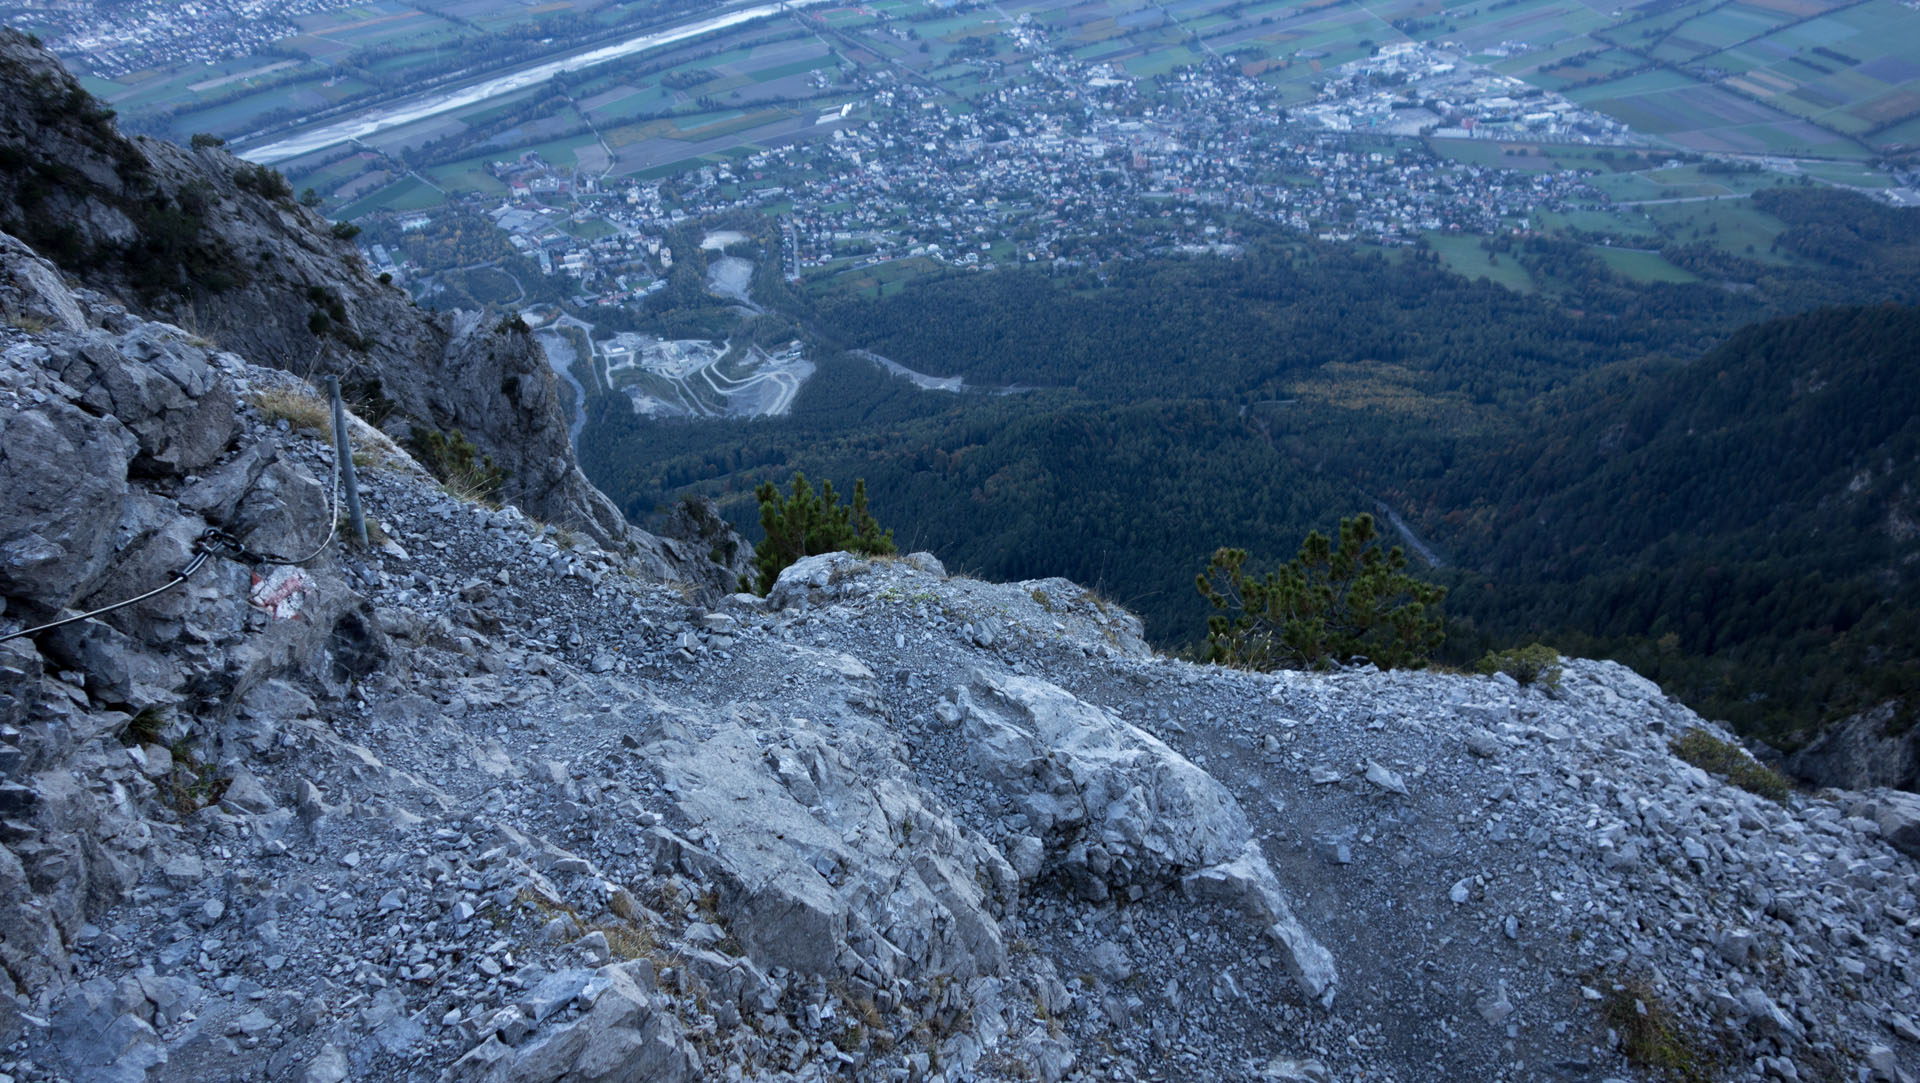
627 937
301 410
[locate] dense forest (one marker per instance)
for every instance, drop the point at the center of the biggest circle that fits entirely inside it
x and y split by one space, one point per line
1743 528
1620 469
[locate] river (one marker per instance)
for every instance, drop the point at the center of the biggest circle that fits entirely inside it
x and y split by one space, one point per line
392 116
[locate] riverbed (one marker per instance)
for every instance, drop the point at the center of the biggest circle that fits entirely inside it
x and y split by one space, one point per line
381 118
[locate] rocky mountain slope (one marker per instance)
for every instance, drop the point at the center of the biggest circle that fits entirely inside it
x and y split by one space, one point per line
498 799
220 246
492 800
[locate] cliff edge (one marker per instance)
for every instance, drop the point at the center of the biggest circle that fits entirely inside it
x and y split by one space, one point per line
487 801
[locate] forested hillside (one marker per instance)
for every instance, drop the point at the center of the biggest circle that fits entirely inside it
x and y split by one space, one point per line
1743 527
1244 328
1128 421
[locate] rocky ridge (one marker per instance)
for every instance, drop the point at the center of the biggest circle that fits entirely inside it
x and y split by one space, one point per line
492 801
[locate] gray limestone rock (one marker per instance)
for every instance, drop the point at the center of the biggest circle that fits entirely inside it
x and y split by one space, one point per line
327 1066
794 889
716 555
624 1036
32 293
161 388
1865 751
1897 814
1116 805
31 949
63 481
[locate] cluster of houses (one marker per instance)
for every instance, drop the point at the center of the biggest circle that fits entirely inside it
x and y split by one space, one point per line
1071 160
117 39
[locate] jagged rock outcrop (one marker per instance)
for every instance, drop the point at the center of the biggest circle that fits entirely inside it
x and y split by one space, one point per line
209 242
107 430
696 524
1877 747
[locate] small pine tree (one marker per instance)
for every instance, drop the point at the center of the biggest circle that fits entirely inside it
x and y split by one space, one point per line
1327 605
805 524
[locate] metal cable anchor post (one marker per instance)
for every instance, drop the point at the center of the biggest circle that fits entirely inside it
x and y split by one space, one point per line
343 455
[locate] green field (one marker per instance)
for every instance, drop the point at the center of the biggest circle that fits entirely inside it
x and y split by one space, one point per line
1536 157
1642 266
405 194
1732 224
1626 224
877 280
467 176
1847 173
1462 253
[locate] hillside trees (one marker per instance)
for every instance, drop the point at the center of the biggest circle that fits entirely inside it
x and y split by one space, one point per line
1592 478
806 523
1328 605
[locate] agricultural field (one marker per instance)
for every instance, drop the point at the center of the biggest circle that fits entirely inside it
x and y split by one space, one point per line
653 116
1462 252
1642 265
1848 68
356 54
1734 225
1821 78
1542 157
405 194
874 280
1703 116
1628 224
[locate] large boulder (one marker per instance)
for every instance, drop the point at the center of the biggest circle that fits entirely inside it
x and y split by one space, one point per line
32 294
1117 810
820 844
1898 815
627 1034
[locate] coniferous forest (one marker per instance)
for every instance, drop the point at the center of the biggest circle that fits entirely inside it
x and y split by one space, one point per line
1717 482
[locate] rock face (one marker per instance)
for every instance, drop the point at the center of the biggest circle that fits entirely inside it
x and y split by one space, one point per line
486 801
1870 749
204 240
696 524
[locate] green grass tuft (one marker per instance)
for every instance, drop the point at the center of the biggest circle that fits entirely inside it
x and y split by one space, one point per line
1731 762
1652 1037
1533 663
